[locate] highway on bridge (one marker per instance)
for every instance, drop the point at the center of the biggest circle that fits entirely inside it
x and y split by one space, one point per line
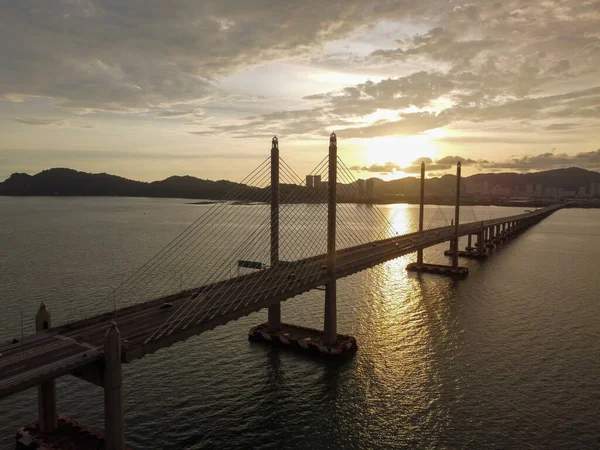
65 348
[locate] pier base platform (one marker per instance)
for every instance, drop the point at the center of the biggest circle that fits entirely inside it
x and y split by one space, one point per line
69 435
466 254
438 269
304 339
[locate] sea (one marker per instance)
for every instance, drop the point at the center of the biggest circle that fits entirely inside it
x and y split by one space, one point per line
508 358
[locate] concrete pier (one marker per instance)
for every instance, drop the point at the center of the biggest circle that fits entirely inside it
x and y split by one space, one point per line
114 426
47 413
304 339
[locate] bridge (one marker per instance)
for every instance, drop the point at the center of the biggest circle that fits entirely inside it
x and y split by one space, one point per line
94 348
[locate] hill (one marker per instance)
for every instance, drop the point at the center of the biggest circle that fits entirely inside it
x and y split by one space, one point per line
68 182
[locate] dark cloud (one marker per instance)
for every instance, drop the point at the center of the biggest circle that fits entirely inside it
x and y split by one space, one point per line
38 122
442 164
544 161
130 56
386 168
560 126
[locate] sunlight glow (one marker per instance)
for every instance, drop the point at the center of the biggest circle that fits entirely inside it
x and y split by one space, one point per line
401 151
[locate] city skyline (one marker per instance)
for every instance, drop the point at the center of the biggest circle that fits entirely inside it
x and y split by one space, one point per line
147 91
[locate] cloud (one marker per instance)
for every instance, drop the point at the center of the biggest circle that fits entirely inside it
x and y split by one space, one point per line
38 122
383 169
443 164
560 126
439 44
545 161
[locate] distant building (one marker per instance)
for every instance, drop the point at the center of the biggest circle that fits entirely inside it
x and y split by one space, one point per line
581 191
317 183
553 193
529 190
371 188
562 193
538 190
594 189
310 181
499 191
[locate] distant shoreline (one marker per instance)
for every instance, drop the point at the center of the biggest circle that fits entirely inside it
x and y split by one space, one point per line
408 201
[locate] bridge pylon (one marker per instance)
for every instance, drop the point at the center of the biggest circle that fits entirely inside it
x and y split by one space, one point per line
454 269
327 342
274 313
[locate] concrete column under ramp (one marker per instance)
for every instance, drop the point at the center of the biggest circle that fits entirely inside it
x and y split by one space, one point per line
47 413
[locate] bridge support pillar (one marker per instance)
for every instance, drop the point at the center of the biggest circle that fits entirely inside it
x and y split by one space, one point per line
469 242
330 325
421 213
274 315
47 414
114 426
480 243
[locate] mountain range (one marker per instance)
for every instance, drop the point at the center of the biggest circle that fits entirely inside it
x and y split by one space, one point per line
68 182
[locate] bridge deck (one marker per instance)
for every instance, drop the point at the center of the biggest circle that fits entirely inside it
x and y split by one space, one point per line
62 349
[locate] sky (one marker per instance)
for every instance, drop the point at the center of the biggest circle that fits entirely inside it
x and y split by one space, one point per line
147 89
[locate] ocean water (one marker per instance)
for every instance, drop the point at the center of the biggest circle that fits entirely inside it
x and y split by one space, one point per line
507 358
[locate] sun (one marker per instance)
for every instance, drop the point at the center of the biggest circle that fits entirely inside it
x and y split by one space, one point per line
400 151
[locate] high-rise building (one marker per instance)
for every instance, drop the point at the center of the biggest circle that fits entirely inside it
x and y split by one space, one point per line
529 190
317 181
310 181
581 191
538 190
594 189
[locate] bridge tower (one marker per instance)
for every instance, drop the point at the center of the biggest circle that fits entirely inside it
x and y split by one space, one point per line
330 326
328 341
456 219
454 269
421 212
274 314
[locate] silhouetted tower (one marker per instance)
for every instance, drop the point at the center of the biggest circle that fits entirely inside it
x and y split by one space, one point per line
330 328
421 212
456 218
274 315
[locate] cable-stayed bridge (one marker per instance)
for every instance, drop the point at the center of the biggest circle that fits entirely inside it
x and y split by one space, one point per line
284 238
